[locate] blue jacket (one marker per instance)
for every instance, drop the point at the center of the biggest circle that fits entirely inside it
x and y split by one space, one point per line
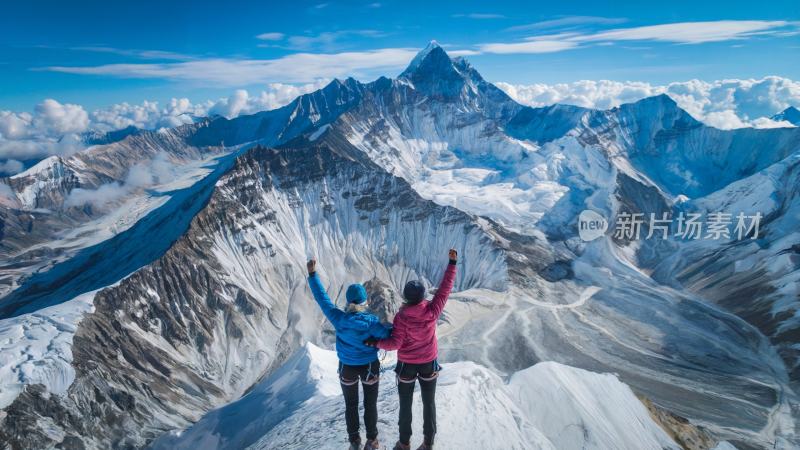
352 328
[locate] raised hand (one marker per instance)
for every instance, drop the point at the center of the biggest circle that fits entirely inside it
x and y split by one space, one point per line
311 265
453 254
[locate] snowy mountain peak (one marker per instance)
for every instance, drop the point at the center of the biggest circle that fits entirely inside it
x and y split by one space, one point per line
433 73
348 82
661 99
50 164
101 138
660 108
421 56
433 66
790 114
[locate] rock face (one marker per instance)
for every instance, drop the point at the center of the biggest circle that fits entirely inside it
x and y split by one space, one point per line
688 436
202 288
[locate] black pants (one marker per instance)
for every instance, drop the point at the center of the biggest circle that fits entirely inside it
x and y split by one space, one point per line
369 375
407 375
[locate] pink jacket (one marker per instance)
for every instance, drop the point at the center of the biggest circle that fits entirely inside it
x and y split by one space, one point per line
414 327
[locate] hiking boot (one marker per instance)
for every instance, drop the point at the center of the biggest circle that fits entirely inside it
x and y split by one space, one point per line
372 444
401 446
355 444
425 446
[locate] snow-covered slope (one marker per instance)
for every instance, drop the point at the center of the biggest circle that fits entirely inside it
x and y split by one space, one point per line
578 409
37 348
758 279
548 406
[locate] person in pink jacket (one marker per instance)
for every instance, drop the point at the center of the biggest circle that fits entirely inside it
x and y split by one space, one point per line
414 338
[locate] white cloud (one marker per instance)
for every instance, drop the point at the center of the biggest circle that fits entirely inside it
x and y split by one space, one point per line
690 32
100 197
49 130
147 115
39 147
277 95
10 167
13 125
724 120
156 171
270 36
143 175
327 39
456 53
233 105
568 21
765 122
537 46
723 104
601 94
307 67
56 119
53 128
140 176
294 68
679 32
142 54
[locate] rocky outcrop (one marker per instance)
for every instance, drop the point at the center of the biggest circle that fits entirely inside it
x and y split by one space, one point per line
687 435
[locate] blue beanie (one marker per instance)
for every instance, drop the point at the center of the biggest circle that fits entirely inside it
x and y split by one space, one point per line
414 292
356 294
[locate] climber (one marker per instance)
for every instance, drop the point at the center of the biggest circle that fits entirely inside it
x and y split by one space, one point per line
357 361
414 337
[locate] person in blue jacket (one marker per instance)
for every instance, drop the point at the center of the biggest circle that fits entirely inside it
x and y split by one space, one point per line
357 361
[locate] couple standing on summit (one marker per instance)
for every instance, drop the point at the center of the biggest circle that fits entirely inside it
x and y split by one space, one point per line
359 335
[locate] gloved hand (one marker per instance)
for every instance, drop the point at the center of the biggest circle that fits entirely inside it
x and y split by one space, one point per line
371 342
453 254
311 265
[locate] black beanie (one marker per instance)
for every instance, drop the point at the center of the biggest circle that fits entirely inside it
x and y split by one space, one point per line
414 292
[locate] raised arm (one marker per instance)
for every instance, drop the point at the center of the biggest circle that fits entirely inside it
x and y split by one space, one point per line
436 306
330 310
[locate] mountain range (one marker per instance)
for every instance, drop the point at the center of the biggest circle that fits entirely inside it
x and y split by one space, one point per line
152 287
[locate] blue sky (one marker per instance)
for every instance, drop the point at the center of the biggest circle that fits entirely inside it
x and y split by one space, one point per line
97 53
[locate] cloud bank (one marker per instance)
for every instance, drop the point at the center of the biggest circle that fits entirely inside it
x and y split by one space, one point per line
159 170
724 104
54 128
293 68
679 33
